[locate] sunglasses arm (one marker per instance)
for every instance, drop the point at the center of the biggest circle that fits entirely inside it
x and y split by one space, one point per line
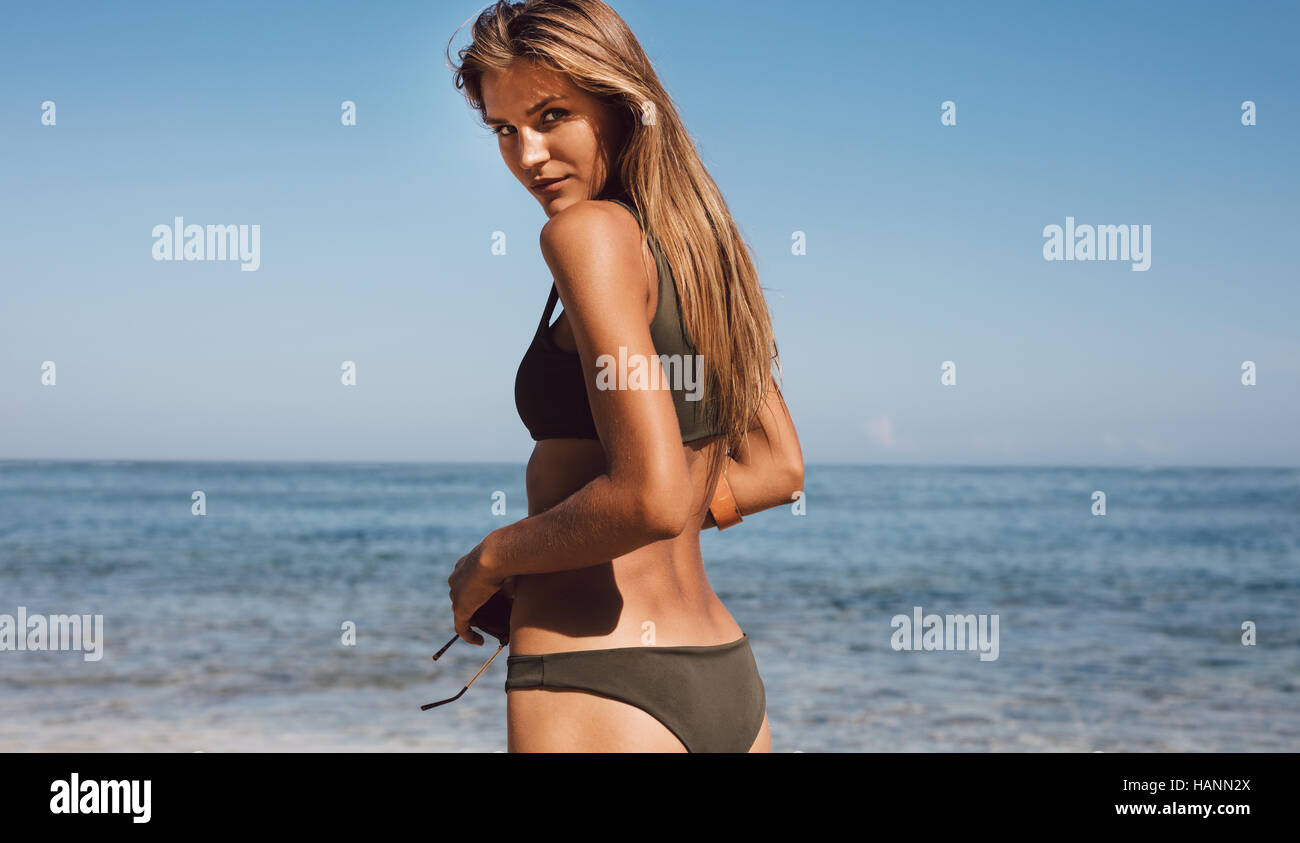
467 684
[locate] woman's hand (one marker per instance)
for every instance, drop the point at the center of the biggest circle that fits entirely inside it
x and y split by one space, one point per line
767 468
472 585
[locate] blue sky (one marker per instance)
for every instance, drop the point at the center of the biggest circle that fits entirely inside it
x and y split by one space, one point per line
924 241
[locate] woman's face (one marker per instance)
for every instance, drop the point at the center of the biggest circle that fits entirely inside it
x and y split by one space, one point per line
548 128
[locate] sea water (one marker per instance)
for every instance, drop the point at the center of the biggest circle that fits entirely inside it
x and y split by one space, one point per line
1128 631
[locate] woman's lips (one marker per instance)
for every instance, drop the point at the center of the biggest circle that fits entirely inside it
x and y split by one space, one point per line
551 186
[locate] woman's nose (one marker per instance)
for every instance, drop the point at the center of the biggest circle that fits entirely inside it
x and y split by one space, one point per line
532 149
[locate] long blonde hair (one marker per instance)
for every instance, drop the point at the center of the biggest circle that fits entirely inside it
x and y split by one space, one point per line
722 304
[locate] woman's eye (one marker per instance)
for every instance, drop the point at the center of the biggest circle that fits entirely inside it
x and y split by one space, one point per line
499 131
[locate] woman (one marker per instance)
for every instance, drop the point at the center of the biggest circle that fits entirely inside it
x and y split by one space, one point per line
618 641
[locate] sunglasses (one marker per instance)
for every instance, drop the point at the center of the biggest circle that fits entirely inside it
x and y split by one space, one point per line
493 618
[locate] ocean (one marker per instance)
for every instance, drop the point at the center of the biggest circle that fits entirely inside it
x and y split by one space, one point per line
1120 632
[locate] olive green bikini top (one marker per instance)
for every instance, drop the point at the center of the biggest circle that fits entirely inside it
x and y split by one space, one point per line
551 393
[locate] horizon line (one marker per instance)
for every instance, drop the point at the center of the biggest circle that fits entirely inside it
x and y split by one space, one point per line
847 464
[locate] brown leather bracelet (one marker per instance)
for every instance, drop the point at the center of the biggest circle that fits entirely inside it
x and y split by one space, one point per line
723 508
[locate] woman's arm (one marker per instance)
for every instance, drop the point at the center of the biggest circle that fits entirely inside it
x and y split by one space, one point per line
767 469
594 252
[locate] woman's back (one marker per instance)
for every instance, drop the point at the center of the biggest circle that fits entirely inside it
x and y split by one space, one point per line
607 605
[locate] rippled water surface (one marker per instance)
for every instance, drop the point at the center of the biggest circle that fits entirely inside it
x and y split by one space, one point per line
1120 632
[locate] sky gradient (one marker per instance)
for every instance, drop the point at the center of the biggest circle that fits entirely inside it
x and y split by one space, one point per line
924 241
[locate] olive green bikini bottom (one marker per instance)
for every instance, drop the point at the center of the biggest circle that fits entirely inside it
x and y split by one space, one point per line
710 697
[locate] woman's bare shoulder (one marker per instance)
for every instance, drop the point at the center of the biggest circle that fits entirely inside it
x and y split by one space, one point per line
594 250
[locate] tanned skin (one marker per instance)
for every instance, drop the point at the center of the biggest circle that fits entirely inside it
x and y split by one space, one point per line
612 537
